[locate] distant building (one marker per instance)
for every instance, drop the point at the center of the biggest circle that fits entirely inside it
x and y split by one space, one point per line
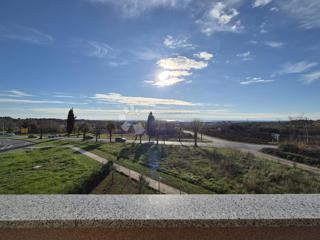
24 130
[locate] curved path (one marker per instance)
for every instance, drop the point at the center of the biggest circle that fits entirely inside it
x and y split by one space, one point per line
154 184
255 150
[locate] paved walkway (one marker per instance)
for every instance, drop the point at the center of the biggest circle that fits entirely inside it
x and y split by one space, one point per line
154 184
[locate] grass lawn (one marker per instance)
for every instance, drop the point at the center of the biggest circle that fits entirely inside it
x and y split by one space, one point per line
305 154
111 152
48 170
120 184
209 170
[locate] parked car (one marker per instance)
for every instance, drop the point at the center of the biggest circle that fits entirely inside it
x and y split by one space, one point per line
10 134
52 136
88 137
120 140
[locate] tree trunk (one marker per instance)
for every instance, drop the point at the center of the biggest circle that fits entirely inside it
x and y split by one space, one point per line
140 139
110 136
196 139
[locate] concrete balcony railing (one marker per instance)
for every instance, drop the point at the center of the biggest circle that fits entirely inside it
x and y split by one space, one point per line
160 217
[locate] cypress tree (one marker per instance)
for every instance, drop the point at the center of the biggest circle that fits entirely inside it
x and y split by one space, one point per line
70 121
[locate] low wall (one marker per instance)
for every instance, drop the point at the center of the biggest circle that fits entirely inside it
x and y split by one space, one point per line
160 216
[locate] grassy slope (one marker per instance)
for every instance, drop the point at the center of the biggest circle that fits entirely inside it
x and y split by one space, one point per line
204 170
121 185
309 155
61 171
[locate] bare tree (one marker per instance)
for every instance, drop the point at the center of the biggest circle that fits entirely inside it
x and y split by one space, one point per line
196 126
111 126
84 128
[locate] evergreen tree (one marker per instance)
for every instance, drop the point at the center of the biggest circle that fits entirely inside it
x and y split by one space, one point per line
150 127
70 121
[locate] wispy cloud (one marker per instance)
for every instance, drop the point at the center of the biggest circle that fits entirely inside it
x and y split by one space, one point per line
274 44
139 101
204 55
246 56
146 54
298 67
22 101
178 42
260 3
255 80
220 18
64 96
25 34
311 77
15 93
175 69
134 8
306 12
92 48
175 114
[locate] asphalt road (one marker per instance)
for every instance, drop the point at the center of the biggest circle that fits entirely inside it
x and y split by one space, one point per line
10 144
255 150
218 142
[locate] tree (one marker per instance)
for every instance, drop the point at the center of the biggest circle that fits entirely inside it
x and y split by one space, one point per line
150 126
196 126
111 126
157 130
84 128
70 122
97 131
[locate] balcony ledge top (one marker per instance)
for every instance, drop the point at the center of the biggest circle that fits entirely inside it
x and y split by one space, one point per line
125 211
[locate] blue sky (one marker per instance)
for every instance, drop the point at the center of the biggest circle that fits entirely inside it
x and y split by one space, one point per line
182 59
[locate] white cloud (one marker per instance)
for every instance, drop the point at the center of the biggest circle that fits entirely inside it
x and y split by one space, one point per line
93 48
306 11
255 80
274 9
274 44
260 3
220 18
246 56
142 101
15 93
175 114
180 42
298 67
175 69
25 34
168 78
63 96
10 100
181 63
134 8
204 55
311 77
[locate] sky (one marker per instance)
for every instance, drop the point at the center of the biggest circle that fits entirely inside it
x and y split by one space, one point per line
181 59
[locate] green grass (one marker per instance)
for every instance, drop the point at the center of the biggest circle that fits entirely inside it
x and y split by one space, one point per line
111 152
116 183
195 170
45 171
